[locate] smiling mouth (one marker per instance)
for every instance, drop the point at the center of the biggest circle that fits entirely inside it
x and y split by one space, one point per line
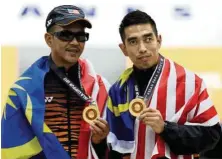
73 50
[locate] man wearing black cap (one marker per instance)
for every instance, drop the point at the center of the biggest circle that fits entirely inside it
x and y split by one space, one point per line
43 113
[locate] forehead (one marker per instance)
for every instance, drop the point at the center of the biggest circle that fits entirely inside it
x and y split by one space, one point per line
138 30
75 27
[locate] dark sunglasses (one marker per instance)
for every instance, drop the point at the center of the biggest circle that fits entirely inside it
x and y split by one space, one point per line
67 35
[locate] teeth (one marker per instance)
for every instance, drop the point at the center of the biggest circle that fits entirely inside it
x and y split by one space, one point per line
72 50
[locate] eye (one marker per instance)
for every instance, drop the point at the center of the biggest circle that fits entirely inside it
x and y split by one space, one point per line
66 34
148 39
82 38
133 42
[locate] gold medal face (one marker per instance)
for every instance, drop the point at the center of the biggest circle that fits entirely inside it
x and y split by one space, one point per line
90 113
136 106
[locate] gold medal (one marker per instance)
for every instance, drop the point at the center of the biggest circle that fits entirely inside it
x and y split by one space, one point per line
91 113
136 106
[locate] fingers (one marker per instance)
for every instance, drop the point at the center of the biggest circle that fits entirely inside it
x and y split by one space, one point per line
150 119
148 114
96 129
99 126
156 123
151 124
153 118
102 120
148 110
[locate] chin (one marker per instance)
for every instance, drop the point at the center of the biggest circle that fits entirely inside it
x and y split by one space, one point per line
71 60
145 66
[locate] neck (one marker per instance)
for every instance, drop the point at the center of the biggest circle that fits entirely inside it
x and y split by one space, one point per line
61 63
142 77
147 70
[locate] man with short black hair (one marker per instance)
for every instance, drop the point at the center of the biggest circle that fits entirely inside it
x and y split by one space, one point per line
157 109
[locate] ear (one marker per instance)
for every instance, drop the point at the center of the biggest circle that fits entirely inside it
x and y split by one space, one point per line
48 39
159 40
123 48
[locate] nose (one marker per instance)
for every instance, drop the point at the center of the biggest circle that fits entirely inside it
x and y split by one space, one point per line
142 48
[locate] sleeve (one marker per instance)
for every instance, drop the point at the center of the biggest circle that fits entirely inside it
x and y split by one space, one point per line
100 149
215 152
18 140
114 154
190 139
200 132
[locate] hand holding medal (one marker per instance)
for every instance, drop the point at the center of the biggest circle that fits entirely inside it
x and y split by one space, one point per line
99 127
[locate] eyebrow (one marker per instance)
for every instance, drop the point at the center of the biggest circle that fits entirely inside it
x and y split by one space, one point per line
148 35
145 35
131 38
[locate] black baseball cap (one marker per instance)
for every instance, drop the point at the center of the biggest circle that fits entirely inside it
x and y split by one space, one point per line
66 14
